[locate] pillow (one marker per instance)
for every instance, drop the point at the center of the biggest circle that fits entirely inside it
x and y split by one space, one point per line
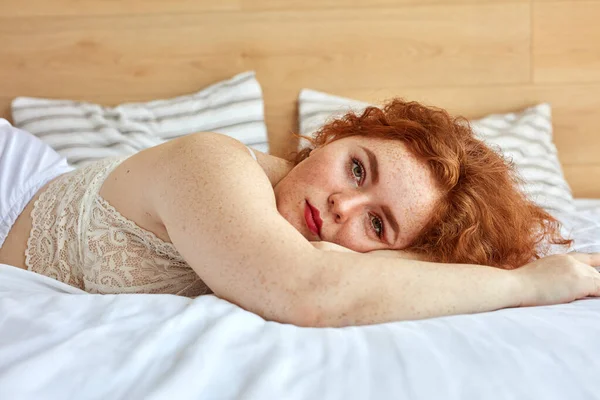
84 132
523 137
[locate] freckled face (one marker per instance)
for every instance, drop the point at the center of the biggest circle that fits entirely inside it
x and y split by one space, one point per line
370 194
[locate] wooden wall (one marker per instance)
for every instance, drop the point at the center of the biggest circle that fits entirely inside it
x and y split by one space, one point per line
473 57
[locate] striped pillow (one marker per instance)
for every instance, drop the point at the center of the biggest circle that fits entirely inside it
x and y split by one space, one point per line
523 137
85 132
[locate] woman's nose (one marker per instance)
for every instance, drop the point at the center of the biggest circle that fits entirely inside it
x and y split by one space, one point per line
343 206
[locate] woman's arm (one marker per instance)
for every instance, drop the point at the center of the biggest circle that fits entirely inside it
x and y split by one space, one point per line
218 207
360 289
219 210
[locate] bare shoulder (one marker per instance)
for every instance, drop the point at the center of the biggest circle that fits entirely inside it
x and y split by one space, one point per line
206 195
198 159
222 153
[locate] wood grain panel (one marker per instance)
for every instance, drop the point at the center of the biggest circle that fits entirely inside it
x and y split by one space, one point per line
565 41
15 8
339 4
584 180
561 1
5 107
412 46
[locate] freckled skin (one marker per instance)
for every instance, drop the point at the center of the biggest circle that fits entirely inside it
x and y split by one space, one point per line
325 179
217 205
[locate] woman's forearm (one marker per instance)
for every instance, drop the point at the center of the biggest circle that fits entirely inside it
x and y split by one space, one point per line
357 289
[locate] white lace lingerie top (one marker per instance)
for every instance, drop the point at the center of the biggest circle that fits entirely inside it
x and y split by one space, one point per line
78 238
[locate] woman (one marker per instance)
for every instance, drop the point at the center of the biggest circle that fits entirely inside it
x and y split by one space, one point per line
199 215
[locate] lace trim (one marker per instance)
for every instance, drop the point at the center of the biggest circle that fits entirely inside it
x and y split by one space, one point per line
159 245
79 238
47 249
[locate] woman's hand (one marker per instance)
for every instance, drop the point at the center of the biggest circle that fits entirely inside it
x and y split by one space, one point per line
559 279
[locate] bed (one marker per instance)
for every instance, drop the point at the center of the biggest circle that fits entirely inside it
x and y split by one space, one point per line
99 78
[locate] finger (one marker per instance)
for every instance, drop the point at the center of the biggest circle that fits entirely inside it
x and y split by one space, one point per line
592 259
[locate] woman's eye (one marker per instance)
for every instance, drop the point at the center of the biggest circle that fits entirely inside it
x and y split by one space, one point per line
357 169
377 225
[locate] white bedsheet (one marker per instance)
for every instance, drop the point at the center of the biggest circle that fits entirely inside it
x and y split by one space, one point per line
57 342
56 345
587 205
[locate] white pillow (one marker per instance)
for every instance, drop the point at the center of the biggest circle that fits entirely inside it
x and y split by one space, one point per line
84 132
524 137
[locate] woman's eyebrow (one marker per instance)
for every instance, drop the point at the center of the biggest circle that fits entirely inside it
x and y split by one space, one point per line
374 168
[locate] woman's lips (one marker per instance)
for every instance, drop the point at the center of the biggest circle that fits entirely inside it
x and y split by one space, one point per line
313 220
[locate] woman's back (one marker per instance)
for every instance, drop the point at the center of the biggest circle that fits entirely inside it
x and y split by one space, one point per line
78 238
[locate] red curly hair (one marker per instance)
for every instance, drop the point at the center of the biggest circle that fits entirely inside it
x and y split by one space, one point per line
483 218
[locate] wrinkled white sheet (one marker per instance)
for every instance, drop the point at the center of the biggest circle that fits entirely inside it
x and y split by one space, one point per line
57 342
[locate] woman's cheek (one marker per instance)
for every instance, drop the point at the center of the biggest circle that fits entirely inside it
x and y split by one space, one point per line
352 238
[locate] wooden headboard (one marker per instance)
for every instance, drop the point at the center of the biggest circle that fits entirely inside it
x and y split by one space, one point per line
472 57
